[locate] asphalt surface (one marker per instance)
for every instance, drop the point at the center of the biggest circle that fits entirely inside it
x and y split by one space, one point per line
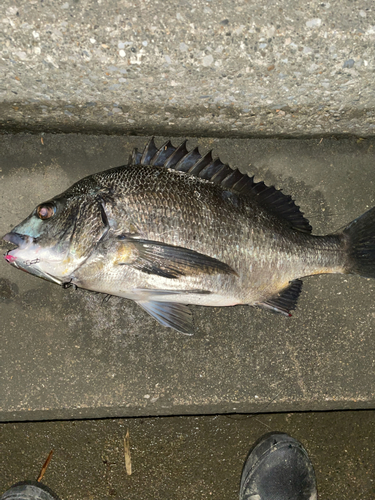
70 354
180 458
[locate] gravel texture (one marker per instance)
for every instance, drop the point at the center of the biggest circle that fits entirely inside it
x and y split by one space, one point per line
197 68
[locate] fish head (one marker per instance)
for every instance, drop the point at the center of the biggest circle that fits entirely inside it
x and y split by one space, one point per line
59 235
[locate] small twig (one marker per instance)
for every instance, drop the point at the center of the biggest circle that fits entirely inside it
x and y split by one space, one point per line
45 465
257 419
128 463
321 140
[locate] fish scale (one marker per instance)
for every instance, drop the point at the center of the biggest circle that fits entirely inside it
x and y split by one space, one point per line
174 228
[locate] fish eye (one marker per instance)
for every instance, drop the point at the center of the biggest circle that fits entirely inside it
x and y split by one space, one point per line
45 211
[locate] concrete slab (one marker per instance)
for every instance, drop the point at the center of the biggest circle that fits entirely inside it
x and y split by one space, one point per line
69 354
193 68
199 458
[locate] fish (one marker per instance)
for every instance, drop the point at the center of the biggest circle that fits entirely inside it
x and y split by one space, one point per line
174 227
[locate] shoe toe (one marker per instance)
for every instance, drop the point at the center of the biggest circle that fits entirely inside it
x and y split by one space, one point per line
29 490
278 468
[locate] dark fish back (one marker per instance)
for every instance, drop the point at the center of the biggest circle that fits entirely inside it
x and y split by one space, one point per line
205 167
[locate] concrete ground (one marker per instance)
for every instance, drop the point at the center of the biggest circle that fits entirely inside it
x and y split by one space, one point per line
203 68
179 458
68 354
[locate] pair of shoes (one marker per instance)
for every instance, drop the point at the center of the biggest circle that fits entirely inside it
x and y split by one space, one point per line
29 490
278 468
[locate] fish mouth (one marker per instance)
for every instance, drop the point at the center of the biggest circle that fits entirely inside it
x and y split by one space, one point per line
23 242
20 240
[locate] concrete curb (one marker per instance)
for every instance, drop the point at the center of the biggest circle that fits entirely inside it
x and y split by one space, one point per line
199 69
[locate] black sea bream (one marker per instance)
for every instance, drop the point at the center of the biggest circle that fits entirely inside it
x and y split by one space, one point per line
174 228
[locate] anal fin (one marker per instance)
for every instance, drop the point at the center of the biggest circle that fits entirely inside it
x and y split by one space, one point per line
286 300
170 314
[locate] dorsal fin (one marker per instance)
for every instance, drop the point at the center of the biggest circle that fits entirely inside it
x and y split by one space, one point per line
162 154
178 154
205 167
135 157
149 152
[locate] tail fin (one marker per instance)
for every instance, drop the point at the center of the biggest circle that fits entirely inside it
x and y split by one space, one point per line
361 245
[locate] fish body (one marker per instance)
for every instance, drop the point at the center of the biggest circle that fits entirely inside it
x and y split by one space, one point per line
174 228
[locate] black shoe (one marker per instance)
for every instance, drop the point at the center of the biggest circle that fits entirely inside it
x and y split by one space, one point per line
278 468
29 490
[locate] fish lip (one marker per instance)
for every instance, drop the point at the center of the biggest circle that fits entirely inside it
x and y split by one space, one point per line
20 240
29 266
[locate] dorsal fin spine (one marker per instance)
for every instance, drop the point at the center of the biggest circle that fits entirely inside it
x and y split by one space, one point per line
179 153
149 152
200 164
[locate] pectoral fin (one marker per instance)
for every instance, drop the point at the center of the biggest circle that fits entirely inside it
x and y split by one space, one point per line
168 261
170 314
